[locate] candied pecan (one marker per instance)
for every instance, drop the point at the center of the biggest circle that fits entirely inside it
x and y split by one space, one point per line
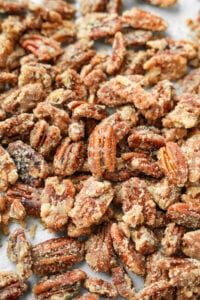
100 254
91 203
61 32
7 45
11 286
185 214
7 79
192 194
155 289
8 170
118 54
75 232
125 248
31 166
61 286
98 25
163 93
123 283
172 239
186 112
165 65
13 6
136 37
147 138
173 164
58 97
101 287
42 47
191 244
121 90
173 134
44 138
114 6
139 18
17 210
92 78
76 130
88 297
56 202
81 109
27 195
56 255
71 81
55 116
102 149
19 251
76 55
162 3
34 72
133 65
191 82
145 240
142 163
24 99
92 6
69 157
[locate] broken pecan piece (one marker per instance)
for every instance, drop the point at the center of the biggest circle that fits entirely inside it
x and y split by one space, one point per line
56 202
191 244
82 109
11 286
123 283
13 6
31 166
76 130
101 287
91 203
61 286
19 251
56 255
8 170
162 3
92 6
172 239
145 240
191 82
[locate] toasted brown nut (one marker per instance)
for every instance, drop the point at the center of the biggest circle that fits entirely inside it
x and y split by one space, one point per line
11 286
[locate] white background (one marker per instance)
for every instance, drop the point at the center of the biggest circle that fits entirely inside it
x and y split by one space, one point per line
176 18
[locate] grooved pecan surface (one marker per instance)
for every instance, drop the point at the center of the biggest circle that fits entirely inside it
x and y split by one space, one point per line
101 287
11 286
123 283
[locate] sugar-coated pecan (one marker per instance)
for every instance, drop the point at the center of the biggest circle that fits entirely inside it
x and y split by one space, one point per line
13 60
136 37
76 55
121 90
186 112
98 25
145 240
19 251
191 195
118 54
101 287
173 164
53 115
191 244
61 286
75 232
155 289
7 79
24 99
185 214
123 283
139 18
81 109
11 286
191 83
69 157
89 296
137 203
76 130
91 6
17 210
125 248
31 166
162 3
99 250
42 47
34 72
174 134
147 138
27 195
44 138
13 6
102 149
59 97
133 65
16 126
165 65
56 255
91 203
92 79
114 6
8 170
172 239
63 32
56 202
70 80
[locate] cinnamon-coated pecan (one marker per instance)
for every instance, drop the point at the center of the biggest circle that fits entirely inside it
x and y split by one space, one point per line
101 287
11 286
8 170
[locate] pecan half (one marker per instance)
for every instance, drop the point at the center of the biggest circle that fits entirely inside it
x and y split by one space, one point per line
13 6
191 244
31 166
8 170
56 255
123 283
61 286
56 202
91 203
191 83
81 109
100 253
125 248
173 164
17 210
19 251
186 214
172 239
91 6
101 287
11 286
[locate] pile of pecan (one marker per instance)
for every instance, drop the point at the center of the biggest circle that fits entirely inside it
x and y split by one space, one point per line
102 148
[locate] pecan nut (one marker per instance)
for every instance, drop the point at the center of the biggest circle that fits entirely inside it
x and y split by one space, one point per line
101 287
11 286
8 170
